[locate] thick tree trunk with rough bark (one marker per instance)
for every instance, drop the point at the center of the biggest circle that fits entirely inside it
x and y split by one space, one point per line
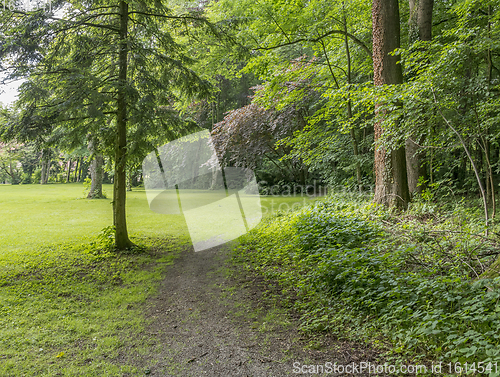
420 21
413 168
96 175
44 170
122 240
391 185
424 20
47 170
43 174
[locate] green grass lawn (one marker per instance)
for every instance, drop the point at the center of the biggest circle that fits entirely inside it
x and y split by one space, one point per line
67 304
34 215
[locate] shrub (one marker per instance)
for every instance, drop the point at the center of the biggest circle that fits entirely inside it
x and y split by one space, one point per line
37 176
26 179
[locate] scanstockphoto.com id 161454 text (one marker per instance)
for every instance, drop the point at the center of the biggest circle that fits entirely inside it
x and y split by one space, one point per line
440 368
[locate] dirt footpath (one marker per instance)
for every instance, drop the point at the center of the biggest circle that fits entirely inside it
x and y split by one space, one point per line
206 324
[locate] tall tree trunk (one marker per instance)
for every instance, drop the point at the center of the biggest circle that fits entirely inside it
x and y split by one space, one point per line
420 21
486 141
391 184
14 179
83 168
47 171
129 180
215 175
355 149
420 28
122 240
44 168
424 14
413 168
349 109
75 178
96 170
45 165
69 171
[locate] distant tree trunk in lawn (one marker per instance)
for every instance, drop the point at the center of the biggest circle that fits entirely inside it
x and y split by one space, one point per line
83 168
122 240
13 175
134 179
96 171
69 171
47 171
196 167
45 165
47 176
420 28
129 180
391 184
75 178
44 170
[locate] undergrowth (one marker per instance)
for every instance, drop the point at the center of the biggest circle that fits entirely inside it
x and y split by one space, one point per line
413 283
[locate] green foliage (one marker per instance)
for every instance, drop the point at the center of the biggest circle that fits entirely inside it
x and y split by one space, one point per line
10 162
299 51
26 179
456 74
105 242
37 175
87 183
345 274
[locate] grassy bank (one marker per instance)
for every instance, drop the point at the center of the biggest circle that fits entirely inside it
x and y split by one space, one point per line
407 282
